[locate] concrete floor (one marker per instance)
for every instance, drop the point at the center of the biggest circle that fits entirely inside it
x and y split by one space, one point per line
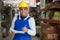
10 38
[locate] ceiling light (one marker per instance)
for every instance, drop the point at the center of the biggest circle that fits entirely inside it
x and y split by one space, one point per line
4 1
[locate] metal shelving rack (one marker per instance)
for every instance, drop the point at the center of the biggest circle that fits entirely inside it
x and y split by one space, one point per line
0 20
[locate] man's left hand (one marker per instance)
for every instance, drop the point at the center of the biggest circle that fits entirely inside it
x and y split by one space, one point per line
24 29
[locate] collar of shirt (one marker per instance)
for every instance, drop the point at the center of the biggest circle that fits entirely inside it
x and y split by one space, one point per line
25 17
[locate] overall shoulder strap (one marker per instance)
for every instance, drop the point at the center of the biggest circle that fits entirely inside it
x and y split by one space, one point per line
18 17
28 18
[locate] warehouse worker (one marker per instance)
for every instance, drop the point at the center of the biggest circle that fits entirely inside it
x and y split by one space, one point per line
23 26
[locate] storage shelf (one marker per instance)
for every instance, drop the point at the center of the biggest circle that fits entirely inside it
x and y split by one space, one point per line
55 6
50 21
52 7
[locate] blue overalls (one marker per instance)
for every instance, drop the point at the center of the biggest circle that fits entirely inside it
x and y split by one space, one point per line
19 24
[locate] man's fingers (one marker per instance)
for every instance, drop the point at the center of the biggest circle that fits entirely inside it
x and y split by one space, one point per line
24 29
12 33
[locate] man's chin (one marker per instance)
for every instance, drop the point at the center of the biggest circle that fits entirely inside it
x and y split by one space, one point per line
23 16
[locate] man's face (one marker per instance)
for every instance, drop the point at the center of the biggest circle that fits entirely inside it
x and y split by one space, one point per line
23 11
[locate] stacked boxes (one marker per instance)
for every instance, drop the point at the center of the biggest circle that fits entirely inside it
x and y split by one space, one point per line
49 32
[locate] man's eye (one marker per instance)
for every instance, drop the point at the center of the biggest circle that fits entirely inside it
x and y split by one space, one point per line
20 8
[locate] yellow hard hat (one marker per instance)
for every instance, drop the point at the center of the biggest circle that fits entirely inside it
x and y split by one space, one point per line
23 4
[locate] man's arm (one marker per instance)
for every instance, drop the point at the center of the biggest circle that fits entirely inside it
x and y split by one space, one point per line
13 25
32 31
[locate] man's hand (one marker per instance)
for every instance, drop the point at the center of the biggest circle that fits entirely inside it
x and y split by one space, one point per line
12 33
24 29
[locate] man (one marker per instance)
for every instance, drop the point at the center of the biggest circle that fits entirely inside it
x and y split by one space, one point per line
23 26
